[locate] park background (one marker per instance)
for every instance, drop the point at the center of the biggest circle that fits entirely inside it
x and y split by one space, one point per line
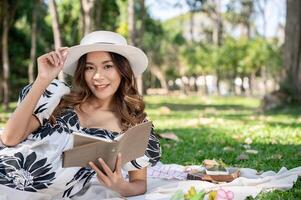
224 77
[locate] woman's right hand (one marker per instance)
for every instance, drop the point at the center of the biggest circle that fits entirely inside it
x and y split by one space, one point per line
50 64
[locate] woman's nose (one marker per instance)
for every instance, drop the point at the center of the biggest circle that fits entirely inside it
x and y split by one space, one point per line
98 75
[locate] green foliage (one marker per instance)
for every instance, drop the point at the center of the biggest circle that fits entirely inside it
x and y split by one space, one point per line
69 17
20 42
236 57
261 52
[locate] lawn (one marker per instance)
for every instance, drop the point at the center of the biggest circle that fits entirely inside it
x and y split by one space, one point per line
224 128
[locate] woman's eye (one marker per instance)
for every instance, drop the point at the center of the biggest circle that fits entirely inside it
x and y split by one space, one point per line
88 68
108 66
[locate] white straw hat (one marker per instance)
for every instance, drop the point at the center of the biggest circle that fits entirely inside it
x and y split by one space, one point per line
110 42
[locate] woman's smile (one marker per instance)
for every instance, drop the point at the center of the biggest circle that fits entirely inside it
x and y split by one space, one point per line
101 87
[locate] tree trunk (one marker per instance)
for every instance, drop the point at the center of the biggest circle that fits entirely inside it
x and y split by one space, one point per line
140 32
218 31
5 59
242 87
33 42
252 78
218 83
206 91
131 22
160 76
7 21
86 8
98 13
291 83
262 9
133 37
56 30
248 7
191 25
264 78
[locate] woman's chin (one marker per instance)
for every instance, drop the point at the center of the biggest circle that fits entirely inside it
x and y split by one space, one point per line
102 97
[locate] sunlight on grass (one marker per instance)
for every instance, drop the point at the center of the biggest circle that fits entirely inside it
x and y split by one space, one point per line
231 129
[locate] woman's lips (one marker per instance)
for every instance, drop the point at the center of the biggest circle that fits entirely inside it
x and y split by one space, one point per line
101 87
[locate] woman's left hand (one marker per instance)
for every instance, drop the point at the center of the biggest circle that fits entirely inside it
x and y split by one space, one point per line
112 180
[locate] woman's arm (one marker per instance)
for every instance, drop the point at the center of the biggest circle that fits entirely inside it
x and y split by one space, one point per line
137 184
22 122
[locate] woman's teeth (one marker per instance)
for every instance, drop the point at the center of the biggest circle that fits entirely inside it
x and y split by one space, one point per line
101 86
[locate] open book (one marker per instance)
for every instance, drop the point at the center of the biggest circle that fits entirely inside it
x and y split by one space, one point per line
131 144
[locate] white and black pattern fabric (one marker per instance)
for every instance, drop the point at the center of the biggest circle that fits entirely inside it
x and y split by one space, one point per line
25 173
34 165
49 100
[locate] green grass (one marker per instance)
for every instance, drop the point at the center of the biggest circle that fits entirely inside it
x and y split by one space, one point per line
5 115
219 127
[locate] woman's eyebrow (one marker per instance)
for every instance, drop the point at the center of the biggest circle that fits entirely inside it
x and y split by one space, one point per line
106 61
90 63
103 62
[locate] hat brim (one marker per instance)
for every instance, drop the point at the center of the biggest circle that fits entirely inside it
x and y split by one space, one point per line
136 57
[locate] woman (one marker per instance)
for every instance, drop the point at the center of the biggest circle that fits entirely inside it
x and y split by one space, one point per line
104 103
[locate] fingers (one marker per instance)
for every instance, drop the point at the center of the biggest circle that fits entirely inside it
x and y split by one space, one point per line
50 59
101 175
105 167
63 52
118 163
57 57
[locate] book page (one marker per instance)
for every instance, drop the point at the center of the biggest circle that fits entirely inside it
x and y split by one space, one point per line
82 139
134 144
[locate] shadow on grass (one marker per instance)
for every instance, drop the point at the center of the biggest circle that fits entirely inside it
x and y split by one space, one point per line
290 110
285 124
188 107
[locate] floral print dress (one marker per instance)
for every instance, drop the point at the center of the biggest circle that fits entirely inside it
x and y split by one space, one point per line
35 165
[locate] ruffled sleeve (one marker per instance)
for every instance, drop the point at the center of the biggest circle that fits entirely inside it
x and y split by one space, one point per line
48 101
150 158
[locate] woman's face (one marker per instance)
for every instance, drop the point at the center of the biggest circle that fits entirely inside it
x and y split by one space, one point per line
101 75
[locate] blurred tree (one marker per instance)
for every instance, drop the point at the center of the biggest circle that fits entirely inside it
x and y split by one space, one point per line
71 21
194 6
213 9
8 10
240 12
264 69
56 30
134 34
291 83
156 44
87 18
33 41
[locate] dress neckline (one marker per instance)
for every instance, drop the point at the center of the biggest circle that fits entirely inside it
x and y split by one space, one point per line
92 128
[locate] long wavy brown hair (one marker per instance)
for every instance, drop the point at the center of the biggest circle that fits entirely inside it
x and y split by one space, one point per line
128 104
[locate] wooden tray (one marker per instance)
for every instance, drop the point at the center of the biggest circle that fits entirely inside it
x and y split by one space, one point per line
233 174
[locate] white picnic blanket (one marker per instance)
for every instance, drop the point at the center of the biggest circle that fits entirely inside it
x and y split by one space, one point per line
249 184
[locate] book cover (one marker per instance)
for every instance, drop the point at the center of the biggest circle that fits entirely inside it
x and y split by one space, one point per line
131 144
